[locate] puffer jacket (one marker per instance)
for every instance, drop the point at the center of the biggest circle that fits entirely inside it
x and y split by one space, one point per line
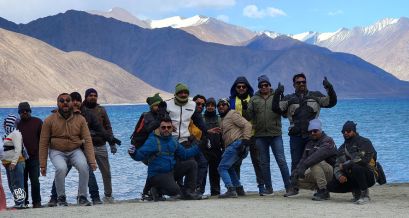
13 145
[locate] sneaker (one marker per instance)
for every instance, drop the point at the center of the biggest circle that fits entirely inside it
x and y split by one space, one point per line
364 197
37 205
267 192
261 190
292 192
356 195
321 195
96 201
108 200
52 202
62 201
230 193
83 201
188 195
240 191
146 197
20 206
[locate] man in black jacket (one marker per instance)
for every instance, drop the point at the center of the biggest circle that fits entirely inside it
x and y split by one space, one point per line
315 168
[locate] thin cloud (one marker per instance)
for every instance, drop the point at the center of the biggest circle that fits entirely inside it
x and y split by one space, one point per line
223 18
253 11
335 13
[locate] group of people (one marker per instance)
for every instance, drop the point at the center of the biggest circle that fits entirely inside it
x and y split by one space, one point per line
181 140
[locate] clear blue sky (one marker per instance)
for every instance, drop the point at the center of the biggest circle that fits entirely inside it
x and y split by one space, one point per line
284 16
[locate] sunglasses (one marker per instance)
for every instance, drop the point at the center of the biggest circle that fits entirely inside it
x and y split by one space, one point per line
24 111
314 131
241 87
301 82
62 100
166 127
200 104
264 85
346 131
222 104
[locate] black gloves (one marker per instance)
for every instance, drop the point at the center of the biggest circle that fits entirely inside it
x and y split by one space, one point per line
280 89
113 149
326 83
244 104
244 148
112 141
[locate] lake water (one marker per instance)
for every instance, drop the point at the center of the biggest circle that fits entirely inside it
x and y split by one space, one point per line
385 122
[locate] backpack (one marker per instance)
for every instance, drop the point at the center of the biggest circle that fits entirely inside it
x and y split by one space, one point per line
139 134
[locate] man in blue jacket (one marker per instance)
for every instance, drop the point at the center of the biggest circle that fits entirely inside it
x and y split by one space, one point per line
163 170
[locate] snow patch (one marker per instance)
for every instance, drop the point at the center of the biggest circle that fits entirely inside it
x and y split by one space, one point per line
178 22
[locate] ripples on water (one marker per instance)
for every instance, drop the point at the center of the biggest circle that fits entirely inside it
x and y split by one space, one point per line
383 121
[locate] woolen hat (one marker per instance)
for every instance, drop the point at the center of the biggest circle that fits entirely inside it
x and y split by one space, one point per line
211 101
263 79
348 126
89 91
315 124
224 100
10 123
154 100
24 106
181 87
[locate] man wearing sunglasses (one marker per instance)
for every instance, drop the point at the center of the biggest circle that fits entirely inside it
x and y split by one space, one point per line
315 169
301 107
62 135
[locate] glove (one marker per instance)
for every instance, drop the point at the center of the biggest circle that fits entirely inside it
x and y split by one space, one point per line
280 89
326 83
114 141
244 104
131 149
113 149
244 148
246 142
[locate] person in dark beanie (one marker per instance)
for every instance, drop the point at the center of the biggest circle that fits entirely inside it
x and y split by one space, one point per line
30 128
91 103
301 107
355 167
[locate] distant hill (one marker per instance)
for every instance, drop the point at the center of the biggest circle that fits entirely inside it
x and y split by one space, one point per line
163 57
34 71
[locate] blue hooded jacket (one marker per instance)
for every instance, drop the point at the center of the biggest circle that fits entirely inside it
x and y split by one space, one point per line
233 93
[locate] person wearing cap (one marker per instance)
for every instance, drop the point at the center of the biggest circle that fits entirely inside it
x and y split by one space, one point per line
355 167
91 103
315 169
63 134
240 93
30 128
13 160
236 133
301 107
267 132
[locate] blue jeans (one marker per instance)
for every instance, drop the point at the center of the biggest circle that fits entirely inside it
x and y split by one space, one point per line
15 179
276 143
229 158
297 146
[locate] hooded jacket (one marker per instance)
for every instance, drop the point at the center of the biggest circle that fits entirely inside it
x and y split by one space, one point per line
235 101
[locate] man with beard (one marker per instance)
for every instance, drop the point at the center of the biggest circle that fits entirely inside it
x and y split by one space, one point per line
101 153
30 128
62 135
301 107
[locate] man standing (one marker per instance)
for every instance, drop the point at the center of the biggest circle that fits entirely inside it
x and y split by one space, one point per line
301 107
314 171
62 135
355 168
101 153
236 133
267 126
30 128
240 94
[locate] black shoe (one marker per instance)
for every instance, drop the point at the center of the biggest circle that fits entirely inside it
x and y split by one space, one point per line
230 193
62 201
37 205
291 192
53 202
146 197
154 194
321 195
188 195
96 201
83 201
240 191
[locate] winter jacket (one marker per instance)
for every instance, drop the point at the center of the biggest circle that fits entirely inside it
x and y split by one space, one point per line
265 121
212 120
356 150
317 151
235 101
161 151
30 130
65 135
102 116
13 145
234 127
95 127
301 108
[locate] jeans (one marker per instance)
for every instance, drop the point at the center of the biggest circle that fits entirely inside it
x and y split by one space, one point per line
276 143
60 161
201 171
32 171
15 179
226 169
297 146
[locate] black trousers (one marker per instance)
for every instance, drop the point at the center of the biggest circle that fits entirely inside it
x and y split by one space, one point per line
32 172
358 178
166 184
213 157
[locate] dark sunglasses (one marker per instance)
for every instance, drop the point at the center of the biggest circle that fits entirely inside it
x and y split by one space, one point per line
241 87
62 100
314 131
222 104
301 82
346 131
200 104
24 111
166 127
264 85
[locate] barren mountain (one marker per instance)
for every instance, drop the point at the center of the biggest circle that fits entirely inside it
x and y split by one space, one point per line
122 15
34 71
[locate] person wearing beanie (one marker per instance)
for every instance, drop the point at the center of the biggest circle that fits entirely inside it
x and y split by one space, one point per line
355 167
236 133
315 169
13 160
91 103
301 107
154 100
30 128
267 133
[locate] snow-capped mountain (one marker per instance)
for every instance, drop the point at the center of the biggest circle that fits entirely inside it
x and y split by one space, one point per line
178 22
122 15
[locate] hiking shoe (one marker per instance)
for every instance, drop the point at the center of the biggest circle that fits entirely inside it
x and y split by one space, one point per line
96 201
267 192
83 201
230 193
240 191
364 197
356 195
20 206
321 195
192 196
146 197
37 205
292 192
62 201
261 190
108 200
52 202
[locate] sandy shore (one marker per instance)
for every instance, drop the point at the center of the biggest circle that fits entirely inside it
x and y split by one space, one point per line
387 201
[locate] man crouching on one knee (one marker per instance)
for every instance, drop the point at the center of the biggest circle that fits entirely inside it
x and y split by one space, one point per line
315 168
